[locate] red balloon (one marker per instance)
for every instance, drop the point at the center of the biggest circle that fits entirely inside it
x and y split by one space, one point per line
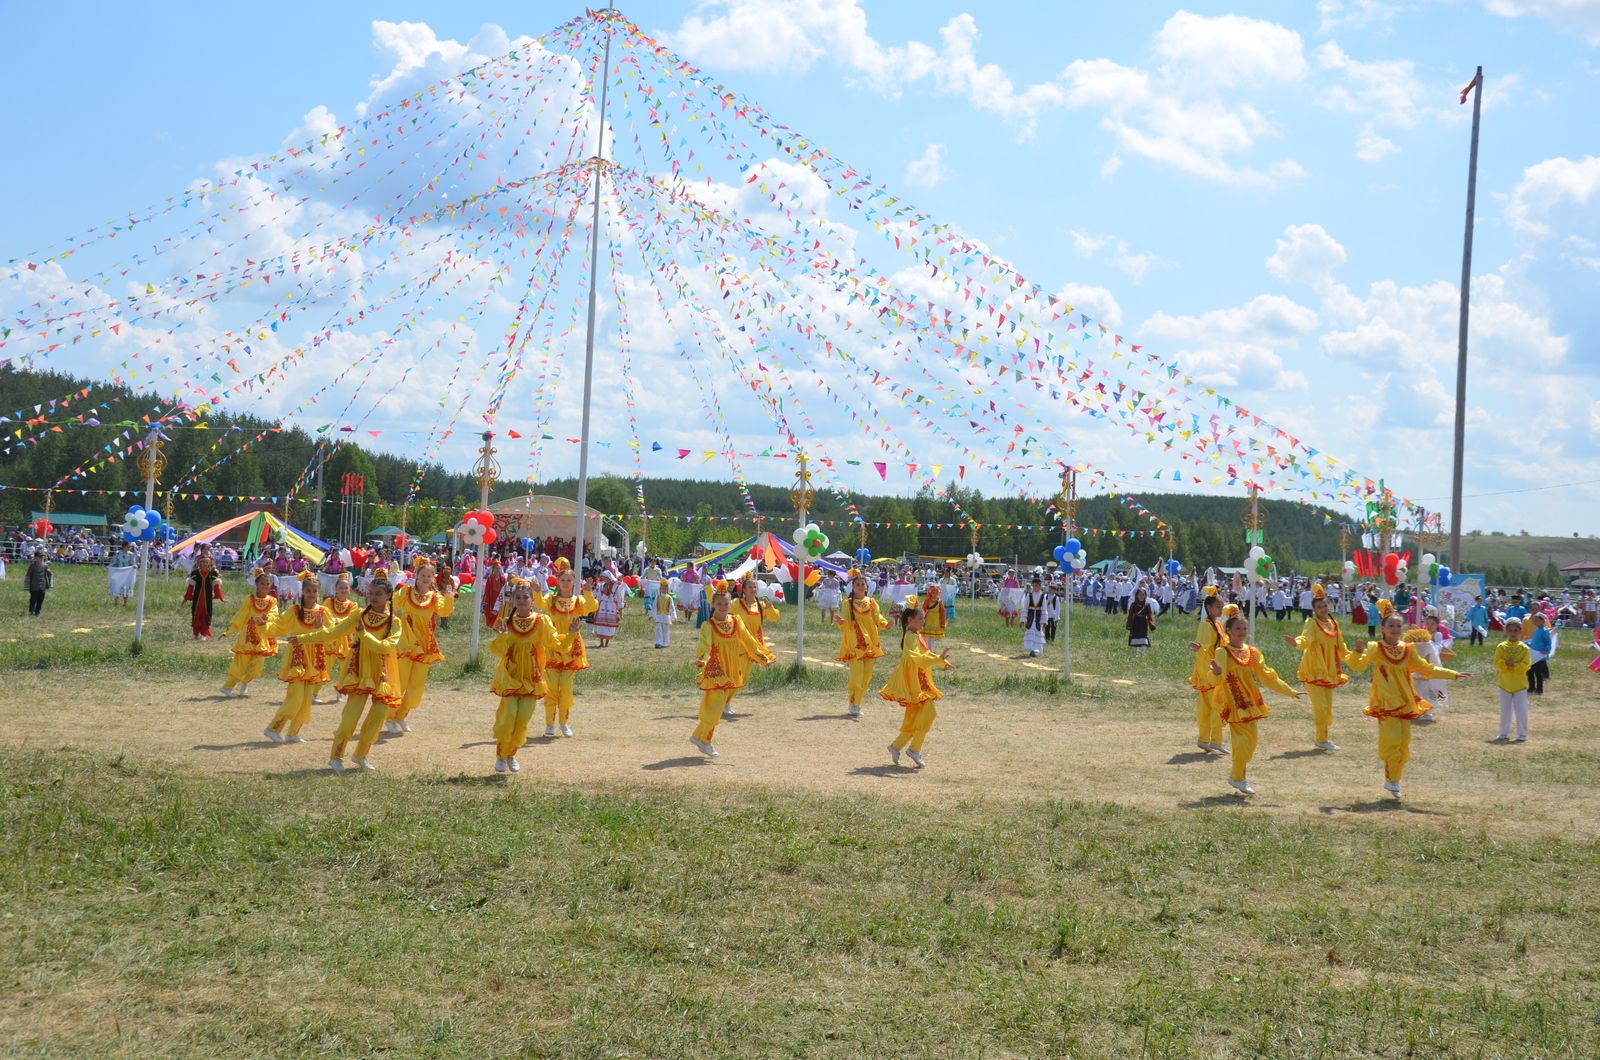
400 540
552 581
489 535
631 581
465 578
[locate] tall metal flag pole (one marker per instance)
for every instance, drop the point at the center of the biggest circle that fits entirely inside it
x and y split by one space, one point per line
802 496
487 469
594 283
1461 337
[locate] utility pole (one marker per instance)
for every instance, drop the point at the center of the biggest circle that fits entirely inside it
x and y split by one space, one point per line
1253 521
1461 334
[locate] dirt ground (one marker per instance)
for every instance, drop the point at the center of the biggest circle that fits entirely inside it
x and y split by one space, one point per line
1135 748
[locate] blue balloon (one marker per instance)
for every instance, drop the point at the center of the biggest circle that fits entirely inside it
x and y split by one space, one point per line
130 538
1059 553
1073 546
1173 566
1444 576
863 556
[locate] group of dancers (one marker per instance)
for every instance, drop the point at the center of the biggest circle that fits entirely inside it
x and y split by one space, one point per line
378 656
1228 675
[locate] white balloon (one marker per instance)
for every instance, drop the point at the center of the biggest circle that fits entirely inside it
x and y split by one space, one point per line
1428 559
799 535
1256 552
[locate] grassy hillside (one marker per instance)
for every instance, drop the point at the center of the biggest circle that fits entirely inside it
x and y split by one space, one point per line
1481 551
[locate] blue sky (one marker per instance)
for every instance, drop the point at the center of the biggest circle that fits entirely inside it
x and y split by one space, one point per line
1270 196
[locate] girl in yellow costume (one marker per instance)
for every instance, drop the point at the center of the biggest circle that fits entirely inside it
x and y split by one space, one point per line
523 646
566 611
912 685
339 608
1243 671
859 622
1322 649
1394 701
371 673
253 646
420 608
933 618
722 661
1208 640
754 613
306 668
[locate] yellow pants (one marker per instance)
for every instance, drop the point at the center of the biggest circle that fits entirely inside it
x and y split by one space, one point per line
1244 746
1321 710
1394 746
918 720
713 701
376 716
860 678
296 709
558 697
511 724
413 682
1208 715
244 669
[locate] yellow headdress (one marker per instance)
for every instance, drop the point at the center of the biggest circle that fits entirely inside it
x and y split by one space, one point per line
1210 590
1318 592
562 563
1385 608
719 587
853 573
518 583
913 603
1230 611
306 575
422 561
1416 635
260 572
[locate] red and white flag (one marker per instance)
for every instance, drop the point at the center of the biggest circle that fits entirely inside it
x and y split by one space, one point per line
1465 92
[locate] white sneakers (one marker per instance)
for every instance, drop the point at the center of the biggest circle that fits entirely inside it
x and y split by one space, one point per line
1212 748
391 727
405 726
516 766
272 734
729 712
566 730
916 756
366 766
1392 787
549 730
500 765
894 754
705 748
1242 786
227 693
293 738
855 710
1325 745
336 765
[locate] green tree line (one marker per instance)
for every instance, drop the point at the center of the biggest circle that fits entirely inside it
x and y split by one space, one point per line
1207 530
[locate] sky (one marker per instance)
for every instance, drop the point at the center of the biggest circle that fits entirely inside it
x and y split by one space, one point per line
1269 196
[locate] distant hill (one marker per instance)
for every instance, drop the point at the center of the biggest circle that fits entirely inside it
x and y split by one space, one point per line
1490 552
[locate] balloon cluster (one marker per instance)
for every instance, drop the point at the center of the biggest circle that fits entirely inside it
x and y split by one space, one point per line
401 541
1395 569
769 591
529 544
1173 567
1070 556
1258 565
44 527
811 538
477 529
863 556
1438 573
974 560
141 524
1349 570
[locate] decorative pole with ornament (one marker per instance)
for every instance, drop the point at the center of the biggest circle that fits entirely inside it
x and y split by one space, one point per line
478 529
152 462
801 495
1070 558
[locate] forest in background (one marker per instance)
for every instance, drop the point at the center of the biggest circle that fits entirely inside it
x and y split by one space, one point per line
1208 530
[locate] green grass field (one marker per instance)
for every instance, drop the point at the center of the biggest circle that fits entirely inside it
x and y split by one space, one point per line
156 902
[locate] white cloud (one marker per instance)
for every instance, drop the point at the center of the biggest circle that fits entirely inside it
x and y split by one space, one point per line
1121 257
1386 92
1581 17
1306 254
1231 49
1357 14
927 171
1239 347
1548 185
1097 302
